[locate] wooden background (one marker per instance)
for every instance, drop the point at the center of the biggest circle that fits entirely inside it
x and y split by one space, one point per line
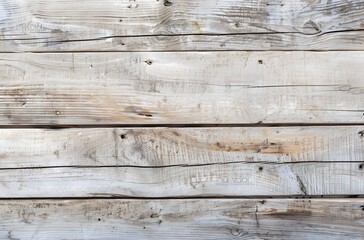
171 119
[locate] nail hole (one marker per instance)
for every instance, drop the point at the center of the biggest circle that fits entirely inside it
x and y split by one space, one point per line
99 219
57 112
149 62
260 169
361 134
260 61
361 166
122 136
167 3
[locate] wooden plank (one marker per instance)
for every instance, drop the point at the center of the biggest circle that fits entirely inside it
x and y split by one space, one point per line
25 148
134 25
152 88
233 179
183 219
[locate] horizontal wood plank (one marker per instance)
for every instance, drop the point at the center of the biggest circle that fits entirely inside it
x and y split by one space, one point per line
180 88
134 25
333 219
233 179
26 148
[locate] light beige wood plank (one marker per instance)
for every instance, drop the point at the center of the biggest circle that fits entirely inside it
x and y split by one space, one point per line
183 219
178 146
42 25
238 179
177 88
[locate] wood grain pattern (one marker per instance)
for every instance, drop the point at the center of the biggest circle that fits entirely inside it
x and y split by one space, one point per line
26 148
183 219
134 25
172 88
233 179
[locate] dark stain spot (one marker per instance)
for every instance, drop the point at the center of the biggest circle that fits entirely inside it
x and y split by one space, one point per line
120 20
92 155
122 44
167 3
23 104
56 153
91 66
260 61
144 227
176 133
263 201
361 166
237 24
57 112
99 219
149 62
361 134
154 215
122 136
260 168
362 207
160 221
145 115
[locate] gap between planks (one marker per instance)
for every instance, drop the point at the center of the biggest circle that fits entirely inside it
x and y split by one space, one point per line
182 51
217 125
252 197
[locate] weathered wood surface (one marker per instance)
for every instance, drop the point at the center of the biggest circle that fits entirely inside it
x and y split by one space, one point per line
233 179
183 219
134 25
170 88
25 148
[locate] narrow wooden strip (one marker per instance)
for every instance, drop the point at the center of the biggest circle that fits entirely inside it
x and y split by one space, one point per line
239 179
335 219
24 148
191 87
42 25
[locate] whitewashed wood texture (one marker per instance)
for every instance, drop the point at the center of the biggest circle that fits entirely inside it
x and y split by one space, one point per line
135 25
153 147
331 219
179 88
